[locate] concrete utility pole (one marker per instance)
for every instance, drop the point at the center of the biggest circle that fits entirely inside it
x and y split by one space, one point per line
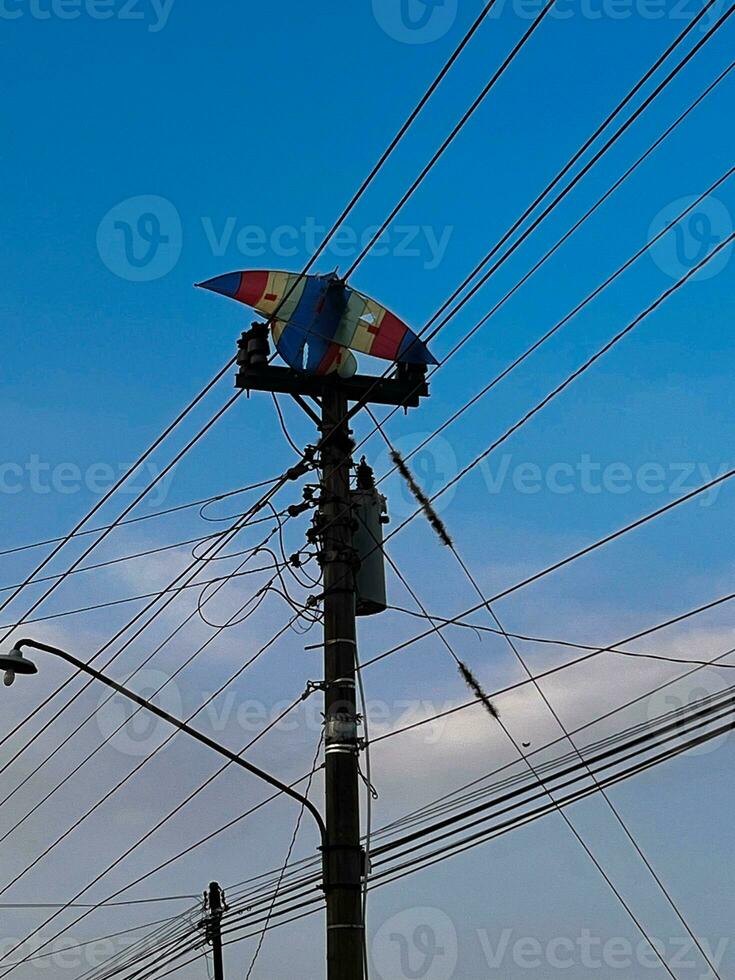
344 858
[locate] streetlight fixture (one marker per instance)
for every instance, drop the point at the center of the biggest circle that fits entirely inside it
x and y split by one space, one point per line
15 663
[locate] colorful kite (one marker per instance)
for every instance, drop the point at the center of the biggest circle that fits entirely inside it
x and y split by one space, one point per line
318 320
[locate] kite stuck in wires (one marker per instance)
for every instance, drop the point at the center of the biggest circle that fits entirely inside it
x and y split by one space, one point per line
317 321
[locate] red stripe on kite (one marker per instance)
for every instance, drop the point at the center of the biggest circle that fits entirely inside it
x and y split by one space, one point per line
252 287
332 354
389 337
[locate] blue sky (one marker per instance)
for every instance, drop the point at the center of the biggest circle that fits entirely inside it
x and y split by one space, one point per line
243 130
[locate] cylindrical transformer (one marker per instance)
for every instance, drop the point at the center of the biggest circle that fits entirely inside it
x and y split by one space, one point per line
369 508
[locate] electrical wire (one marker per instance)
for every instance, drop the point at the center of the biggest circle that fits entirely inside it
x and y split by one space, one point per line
719 23
111 603
100 745
467 335
613 809
100 503
548 254
497 75
670 726
477 628
358 195
98 905
289 852
411 867
204 501
681 37
672 731
545 401
586 301
671 722
670 291
187 575
322 246
282 422
139 615
102 939
605 796
160 823
514 742
612 647
127 679
124 513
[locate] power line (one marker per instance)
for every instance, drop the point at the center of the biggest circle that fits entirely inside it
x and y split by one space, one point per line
282 423
514 742
202 647
478 788
344 214
289 852
593 160
358 195
472 31
673 729
100 503
535 268
394 874
203 501
188 575
656 65
483 836
578 372
710 708
611 806
472 682
98 905
101 939
612 648
172 813
588 299
148 595
584 727
617 184
101 745
79 820
497 75
129 677
545 401
75 564
224 538
478 628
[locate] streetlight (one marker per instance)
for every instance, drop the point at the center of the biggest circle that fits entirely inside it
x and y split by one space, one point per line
15 663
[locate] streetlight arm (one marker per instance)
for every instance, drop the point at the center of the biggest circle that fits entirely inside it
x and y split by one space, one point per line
177 723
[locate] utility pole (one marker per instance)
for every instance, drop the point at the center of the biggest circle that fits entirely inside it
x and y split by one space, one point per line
344 857
212 925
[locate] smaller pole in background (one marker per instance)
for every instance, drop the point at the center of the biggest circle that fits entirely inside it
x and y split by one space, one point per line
212 925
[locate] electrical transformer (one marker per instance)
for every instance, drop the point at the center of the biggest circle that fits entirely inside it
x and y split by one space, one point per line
370 512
